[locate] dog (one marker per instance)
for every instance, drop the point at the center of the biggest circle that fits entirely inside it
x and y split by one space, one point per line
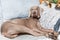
58 5
30 25
47 2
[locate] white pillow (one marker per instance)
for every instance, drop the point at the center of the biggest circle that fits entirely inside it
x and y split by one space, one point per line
17 8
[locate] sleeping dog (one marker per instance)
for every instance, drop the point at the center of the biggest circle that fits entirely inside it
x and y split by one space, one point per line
30 25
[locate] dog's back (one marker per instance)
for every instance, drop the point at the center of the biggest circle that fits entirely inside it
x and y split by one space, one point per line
29 22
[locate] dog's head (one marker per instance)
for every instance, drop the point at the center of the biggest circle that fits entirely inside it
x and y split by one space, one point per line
35 12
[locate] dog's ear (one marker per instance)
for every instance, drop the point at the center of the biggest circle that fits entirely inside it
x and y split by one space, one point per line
38 12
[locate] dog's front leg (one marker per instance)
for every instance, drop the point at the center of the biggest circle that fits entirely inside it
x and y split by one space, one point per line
51 33
43 29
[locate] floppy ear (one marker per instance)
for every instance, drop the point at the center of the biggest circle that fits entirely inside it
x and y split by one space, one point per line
38 12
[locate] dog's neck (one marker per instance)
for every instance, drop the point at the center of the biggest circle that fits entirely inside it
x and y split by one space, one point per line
34 18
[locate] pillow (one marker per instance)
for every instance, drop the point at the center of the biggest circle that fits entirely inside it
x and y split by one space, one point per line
49 17
17 8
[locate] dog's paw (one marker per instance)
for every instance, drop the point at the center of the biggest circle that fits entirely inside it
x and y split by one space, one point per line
52 36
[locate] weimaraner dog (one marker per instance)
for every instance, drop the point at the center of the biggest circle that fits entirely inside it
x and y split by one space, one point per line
30 25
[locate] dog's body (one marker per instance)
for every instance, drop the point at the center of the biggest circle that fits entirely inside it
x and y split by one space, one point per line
30 25
18 26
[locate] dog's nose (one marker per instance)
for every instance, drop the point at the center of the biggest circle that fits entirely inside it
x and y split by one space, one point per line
34 12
